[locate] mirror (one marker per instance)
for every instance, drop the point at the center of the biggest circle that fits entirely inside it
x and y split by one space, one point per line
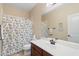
62 21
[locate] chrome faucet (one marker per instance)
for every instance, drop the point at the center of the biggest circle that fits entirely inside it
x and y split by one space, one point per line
52 42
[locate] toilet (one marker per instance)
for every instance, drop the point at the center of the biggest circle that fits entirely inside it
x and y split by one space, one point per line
27 49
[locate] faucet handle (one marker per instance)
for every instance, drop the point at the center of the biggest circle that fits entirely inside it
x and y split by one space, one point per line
52 42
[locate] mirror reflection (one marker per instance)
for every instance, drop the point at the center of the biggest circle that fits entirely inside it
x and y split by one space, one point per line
61 21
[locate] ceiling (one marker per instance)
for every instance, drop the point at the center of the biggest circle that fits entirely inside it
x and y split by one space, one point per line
22 6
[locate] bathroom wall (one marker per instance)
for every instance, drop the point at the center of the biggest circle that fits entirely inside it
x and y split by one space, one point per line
35 16
12 10
59 15
1 11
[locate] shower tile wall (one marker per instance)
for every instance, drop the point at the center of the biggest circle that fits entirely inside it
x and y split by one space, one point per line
17 31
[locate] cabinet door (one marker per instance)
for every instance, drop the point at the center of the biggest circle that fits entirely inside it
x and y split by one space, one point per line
46 53
36 51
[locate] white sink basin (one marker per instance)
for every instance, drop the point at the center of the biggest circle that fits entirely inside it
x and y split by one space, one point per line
66 43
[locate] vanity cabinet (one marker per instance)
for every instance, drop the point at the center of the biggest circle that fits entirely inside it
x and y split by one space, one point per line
46 53
37 51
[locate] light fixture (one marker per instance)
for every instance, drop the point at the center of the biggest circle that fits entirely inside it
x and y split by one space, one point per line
50 4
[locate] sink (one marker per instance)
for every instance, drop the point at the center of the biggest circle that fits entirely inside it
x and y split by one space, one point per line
67 43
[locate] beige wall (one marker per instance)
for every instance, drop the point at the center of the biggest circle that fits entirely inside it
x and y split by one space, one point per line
1 11
35 16
11 10
59 15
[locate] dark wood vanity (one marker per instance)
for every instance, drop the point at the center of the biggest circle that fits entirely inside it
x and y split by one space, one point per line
37 51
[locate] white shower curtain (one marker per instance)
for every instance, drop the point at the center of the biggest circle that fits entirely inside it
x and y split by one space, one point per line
17 31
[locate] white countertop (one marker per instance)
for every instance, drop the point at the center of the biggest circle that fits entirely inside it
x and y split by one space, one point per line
58 49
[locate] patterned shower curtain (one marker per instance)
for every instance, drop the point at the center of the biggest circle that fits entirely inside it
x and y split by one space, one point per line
17 32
